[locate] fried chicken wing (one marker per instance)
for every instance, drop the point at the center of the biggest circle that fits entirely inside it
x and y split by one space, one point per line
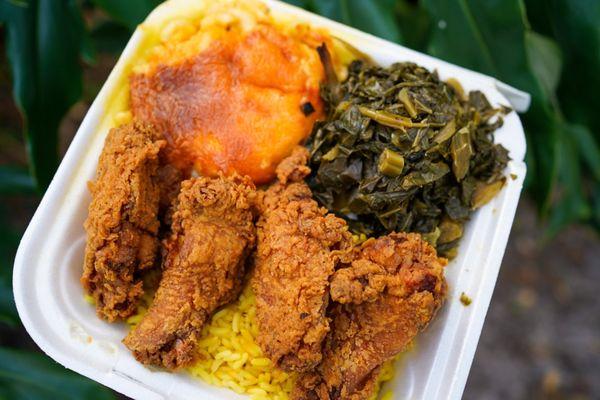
212 234
294 261
169 181
386 291
122 223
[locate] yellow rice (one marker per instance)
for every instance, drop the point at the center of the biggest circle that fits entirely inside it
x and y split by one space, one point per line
231 358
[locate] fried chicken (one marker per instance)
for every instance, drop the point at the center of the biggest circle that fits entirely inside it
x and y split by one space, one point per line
212 234
122 223
169 181
386 291
294 261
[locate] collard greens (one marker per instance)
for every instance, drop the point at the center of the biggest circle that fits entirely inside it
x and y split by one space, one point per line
403 151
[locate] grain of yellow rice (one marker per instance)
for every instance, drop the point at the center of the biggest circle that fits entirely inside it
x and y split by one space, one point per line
231 358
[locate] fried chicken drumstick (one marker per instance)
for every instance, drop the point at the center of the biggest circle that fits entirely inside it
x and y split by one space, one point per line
387 290
293 263
122 223
212 234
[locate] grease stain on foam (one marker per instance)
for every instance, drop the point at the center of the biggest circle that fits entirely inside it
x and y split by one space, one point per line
78 333
107 347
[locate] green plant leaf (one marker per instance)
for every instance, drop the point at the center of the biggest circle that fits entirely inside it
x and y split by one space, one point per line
28 375
414 23
299 3
596 209
15 180
130 13
9 240
375 17
8 309
43 46
544 58
88 50
455 20
576 27
487 36
570 204
538 16
588 149
110 37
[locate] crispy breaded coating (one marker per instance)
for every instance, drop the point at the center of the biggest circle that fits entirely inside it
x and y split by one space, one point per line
387 290
169 180
122 223
293 168
294 261
212 234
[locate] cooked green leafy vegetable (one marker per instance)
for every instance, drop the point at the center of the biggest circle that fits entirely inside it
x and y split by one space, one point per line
403 151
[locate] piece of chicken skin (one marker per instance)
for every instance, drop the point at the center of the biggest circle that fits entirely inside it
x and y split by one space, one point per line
386 291
212 234
295 258
169 180
122 223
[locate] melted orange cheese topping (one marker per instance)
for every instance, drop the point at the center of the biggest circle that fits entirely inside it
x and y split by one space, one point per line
232 100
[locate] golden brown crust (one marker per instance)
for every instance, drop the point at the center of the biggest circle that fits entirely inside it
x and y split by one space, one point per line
122 223
293 168
391 288
258 84
294 261
212 234
169 180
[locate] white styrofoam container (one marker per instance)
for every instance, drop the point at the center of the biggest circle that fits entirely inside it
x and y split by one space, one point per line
49 261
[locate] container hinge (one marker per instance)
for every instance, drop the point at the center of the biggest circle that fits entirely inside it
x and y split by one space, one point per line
518 99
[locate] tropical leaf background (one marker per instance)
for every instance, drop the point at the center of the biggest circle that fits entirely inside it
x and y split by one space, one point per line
550 49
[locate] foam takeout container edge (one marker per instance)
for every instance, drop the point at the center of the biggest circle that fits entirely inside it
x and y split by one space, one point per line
47 264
